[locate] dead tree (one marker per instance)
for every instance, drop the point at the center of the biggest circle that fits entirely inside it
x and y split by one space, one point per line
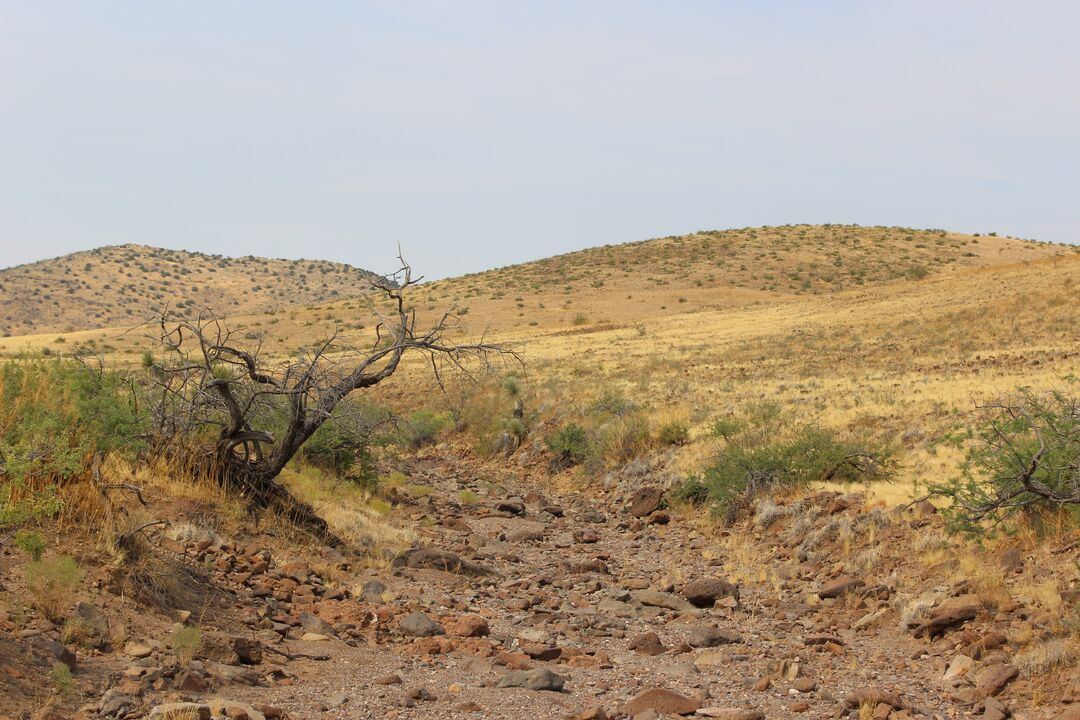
260 413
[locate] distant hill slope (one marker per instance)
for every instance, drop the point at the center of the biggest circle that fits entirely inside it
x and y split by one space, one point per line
123 284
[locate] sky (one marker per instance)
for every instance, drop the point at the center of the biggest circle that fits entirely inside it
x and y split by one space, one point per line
480 134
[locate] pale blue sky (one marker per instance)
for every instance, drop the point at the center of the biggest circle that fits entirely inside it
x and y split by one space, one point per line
479 134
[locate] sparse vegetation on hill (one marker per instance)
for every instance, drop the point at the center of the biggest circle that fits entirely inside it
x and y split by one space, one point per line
123 285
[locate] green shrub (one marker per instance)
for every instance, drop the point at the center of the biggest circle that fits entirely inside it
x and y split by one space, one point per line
783 459
620 440
51 583
1022 458
32 543
569 444
423 427
674 432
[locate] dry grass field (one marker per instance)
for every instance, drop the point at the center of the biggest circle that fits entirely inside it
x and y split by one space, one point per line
120 285
893 332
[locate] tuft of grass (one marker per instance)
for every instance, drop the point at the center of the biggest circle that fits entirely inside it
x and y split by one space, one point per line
51 583
62 682
185 642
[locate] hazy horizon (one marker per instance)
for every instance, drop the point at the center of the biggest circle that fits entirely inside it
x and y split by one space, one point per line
478 135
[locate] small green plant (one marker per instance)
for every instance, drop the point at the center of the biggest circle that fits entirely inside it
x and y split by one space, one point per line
62 682
32 543
674 432
185 643
569 443
51 583
468 497
423 427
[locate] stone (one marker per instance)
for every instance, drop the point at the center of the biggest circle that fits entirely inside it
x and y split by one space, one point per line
958 667
372 592
993 678
440 560
947 618
840 586
662 702
646 501
513 507
467 626
804 685
705 592
234 710
138 649
706 636
314 624
585 535
180 711
57 652
535 679
731 713
647 644
596 712
388 679
417 624
667 600
1012 561
872 696
994 709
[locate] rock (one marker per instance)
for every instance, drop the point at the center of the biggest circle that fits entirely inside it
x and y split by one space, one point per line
944 619
388 679
646 501
804 685
372 592
115 703
662 702
872 696
138 649
992 679
234 710
180 711
467 626
731 713
596 712
440 560
93 626
314 624
417 624
958 667
56 652
231 649
1012 560
706 636
667 600
188 681
535 679
514 507
840 586
314 637
586 535
705 592
647 644
994 709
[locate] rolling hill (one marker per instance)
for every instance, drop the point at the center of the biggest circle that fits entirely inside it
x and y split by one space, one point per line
124 284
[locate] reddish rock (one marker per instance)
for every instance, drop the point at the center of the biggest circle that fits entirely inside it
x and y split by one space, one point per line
840 586
663 702
467 626
646 501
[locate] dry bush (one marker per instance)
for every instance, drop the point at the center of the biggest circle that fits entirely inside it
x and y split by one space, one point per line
1044 656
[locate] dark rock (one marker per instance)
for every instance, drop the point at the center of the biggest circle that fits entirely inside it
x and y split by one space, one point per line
705 592
662 702
535 679
440 560
646 501
417 624
706 636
